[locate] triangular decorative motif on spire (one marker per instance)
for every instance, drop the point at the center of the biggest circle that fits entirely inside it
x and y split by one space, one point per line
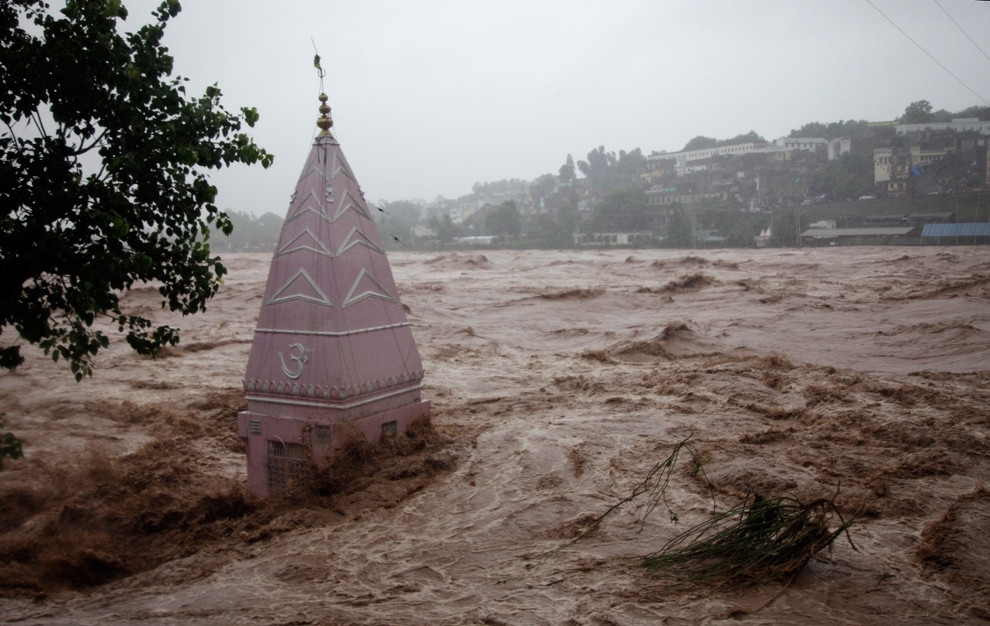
372 289
357 238
300 287
340 165
349 203
317 168
305 241
311 203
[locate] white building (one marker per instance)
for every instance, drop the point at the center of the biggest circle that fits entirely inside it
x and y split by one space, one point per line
690 161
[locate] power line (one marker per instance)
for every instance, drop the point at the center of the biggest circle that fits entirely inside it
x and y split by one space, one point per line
961 29
928 54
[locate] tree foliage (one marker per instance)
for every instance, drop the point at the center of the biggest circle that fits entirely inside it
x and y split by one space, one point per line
506 186
680 234
979 112
738 228
833 130
103 178
605 171
567 171
504 221
849 176
624 210
543 186
787 227
703 143
919 112
699 143
554 230
444 227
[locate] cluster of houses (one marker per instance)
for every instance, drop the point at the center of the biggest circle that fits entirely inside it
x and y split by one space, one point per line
921 159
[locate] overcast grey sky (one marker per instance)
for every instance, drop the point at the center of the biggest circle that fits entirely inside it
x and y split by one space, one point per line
432 96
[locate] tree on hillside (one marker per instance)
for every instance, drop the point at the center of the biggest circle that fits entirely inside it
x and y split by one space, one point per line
624 210
750 137
627 169
567 172
103 178
504 221
833 130
738 228
606 172
919 112
680 233
596 168
554 230
787 227
979 112
699 143
444 227
513 186
703 143
542 187
848 177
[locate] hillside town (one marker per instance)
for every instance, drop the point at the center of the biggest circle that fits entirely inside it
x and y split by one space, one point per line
916 180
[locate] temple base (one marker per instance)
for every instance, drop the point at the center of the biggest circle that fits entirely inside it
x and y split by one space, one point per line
280 448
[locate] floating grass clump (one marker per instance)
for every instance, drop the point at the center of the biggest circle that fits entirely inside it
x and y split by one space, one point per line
758 541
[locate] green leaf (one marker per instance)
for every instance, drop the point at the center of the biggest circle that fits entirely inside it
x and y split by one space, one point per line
250 115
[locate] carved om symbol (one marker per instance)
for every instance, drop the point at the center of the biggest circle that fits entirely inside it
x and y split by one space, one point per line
297 353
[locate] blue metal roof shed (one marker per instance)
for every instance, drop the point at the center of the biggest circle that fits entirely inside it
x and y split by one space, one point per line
964 233
964 229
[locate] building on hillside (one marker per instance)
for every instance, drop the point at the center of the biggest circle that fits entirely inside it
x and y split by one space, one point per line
802 143
834 148
937 164
692 161
684 195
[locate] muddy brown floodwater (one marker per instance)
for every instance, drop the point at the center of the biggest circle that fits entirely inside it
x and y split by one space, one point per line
558 379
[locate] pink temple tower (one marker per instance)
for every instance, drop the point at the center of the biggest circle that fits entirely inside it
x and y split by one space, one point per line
333 354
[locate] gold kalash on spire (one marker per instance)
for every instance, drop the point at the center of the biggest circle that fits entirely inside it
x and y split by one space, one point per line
324 122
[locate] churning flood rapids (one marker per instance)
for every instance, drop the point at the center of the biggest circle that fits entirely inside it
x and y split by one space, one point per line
558 380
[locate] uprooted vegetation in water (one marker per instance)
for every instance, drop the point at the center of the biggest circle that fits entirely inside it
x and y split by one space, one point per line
759 540
102 516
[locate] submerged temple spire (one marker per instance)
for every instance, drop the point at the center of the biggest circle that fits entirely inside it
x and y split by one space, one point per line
333 355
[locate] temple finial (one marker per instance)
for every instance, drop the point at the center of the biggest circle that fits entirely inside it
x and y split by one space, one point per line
325 121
